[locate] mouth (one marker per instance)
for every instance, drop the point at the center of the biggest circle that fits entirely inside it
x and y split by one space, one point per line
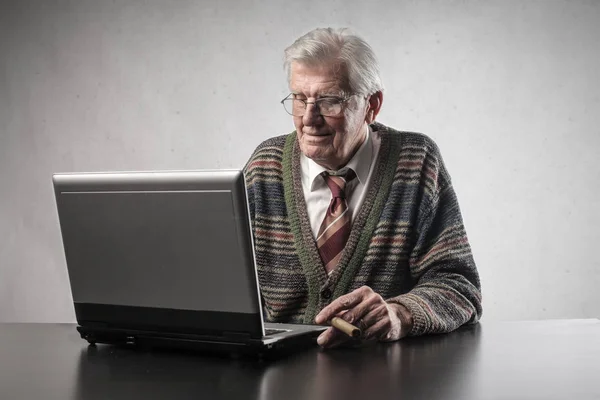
318 140
317 134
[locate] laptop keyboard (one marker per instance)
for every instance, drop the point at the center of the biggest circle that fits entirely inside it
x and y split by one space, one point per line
274 331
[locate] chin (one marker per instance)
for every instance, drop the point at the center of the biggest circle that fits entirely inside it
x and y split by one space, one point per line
315 153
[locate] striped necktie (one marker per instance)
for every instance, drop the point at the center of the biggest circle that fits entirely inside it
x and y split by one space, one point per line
336 225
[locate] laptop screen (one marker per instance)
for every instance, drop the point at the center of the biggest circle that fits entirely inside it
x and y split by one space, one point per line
159 240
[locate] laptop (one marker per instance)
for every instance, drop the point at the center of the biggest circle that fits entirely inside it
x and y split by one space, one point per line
166 259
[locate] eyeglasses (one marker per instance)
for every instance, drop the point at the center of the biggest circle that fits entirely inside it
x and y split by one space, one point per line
326 106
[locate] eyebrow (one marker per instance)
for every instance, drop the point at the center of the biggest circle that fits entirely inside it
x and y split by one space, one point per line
322 95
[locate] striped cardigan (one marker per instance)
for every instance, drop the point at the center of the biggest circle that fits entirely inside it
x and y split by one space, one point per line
407 243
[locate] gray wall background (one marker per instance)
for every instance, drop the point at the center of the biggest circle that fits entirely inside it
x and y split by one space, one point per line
509 90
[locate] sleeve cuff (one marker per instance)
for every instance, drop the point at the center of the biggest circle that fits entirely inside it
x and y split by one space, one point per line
420 319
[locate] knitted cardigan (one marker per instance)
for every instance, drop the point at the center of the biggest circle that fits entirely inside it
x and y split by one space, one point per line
407 242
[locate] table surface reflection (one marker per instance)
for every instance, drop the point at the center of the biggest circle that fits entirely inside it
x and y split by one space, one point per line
555 359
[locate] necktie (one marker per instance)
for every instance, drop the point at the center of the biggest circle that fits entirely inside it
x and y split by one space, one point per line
335 228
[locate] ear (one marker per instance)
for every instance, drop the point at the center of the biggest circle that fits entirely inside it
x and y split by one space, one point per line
375 102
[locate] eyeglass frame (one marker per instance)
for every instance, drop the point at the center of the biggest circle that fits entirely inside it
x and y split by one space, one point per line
342 100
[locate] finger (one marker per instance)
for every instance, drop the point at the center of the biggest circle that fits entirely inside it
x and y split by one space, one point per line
375 314
340 304
339 341
330 337
379 330
370 320
369 302
360 299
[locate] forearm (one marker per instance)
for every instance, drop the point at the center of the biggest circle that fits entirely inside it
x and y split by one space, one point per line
441 303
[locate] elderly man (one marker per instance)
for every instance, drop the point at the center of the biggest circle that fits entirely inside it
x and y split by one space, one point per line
352 218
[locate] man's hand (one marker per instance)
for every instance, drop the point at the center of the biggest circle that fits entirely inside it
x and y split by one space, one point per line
366 309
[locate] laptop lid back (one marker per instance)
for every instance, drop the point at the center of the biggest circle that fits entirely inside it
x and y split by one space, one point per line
168 251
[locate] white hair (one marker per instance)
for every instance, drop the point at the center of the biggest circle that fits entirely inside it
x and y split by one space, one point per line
338 46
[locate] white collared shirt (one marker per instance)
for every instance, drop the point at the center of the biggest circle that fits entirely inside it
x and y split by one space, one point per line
316 192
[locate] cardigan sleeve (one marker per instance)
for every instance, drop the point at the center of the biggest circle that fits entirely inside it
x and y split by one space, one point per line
447 291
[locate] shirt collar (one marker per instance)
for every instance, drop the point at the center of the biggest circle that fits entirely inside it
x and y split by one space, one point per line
360 163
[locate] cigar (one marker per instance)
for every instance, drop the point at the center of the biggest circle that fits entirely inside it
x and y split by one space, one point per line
345 327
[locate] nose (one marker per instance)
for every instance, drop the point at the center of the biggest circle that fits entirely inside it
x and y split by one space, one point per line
312 115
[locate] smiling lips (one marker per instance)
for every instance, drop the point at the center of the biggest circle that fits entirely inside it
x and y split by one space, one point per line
317 139
314 134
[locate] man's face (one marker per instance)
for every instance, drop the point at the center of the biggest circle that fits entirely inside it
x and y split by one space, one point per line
329 141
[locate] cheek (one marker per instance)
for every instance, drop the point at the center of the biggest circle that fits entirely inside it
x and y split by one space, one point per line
339 127
298 124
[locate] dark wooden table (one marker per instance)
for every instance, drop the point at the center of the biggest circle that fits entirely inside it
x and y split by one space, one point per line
512 360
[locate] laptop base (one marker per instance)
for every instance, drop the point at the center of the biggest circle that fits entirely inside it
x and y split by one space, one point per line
220 346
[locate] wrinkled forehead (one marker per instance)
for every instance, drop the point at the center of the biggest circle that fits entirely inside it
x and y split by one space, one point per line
328 76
